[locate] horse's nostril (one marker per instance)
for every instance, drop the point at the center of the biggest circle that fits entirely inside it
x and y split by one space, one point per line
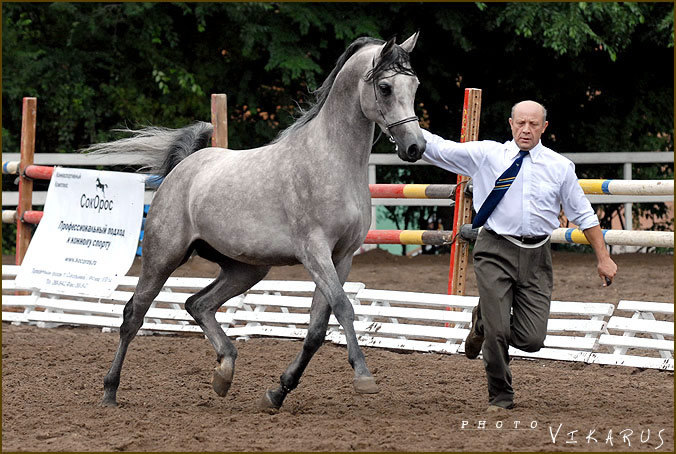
412 151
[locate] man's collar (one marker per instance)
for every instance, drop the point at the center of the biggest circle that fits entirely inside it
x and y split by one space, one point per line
535 152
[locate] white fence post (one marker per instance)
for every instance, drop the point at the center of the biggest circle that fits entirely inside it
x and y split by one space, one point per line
628 218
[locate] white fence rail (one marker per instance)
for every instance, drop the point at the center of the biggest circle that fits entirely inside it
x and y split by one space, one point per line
587 332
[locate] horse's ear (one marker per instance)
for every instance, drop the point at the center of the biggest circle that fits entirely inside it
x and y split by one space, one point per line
409 44
389 45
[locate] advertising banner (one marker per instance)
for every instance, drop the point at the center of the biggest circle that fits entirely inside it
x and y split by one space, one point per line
88 235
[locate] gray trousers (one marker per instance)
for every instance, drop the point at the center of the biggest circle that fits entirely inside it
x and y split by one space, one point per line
515 290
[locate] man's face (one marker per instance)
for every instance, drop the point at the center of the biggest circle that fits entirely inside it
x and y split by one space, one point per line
527 124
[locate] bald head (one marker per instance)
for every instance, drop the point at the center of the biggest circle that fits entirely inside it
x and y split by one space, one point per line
528 122
530 105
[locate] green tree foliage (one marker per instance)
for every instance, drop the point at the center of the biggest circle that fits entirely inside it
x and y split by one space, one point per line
604 70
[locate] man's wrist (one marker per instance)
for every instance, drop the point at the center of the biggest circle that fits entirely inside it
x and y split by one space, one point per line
602 254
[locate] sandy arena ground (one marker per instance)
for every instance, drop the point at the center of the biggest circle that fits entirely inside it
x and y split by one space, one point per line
52 384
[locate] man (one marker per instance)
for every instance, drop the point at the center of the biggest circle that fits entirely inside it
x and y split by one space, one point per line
519 187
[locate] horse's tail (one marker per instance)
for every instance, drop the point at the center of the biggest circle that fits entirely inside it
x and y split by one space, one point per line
157 149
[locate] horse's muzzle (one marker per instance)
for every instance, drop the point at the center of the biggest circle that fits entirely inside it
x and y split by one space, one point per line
413 153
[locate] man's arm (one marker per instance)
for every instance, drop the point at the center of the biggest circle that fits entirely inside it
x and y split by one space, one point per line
461 158
579 211
606 266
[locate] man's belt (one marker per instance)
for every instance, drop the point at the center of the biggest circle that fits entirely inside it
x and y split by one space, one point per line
523 239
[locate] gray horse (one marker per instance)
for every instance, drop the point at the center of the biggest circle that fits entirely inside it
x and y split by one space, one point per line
304 198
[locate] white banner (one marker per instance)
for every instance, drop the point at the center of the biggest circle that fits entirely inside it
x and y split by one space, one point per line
88 235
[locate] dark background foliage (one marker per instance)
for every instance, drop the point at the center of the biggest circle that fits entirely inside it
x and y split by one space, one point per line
603 70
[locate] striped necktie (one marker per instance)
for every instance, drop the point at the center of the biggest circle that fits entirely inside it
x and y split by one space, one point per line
502 184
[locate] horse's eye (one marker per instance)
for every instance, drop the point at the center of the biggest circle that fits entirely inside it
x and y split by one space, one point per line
385 89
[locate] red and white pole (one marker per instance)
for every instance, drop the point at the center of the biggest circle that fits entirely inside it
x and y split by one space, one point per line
471 113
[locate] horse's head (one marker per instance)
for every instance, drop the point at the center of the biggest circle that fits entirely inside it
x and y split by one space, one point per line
388 95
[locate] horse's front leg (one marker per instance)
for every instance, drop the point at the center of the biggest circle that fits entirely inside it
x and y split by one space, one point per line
329 295
325 275
319 320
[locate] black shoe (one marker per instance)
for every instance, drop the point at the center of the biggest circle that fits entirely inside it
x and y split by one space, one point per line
498 409
474 340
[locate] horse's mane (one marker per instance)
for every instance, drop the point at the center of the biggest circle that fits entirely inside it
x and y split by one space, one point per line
396 60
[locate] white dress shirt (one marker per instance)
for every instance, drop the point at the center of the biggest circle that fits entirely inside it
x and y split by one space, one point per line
532 204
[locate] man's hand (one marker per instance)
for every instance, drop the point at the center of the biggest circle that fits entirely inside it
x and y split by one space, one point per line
606 267
607 270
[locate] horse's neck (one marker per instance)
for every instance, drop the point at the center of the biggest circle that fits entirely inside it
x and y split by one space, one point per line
341 131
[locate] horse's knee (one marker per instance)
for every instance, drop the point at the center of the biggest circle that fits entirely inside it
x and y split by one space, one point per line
343 311
127 318
128 309
314 340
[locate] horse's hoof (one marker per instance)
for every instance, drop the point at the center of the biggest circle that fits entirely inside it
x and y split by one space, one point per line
222 379
266 404
111 403
365 385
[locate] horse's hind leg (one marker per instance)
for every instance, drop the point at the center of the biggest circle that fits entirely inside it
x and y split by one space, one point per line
163 252
234 279
149 285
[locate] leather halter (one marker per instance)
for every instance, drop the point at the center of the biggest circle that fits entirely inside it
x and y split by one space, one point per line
388 126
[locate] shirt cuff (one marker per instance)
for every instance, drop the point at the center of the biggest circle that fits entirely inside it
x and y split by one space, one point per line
587 222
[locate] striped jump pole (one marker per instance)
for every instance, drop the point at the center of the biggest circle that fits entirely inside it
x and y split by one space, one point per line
418 237
618 237
387 191
32 171
29 217
384 191
643 238
560 236
10 167
628 187
412 191
433 191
